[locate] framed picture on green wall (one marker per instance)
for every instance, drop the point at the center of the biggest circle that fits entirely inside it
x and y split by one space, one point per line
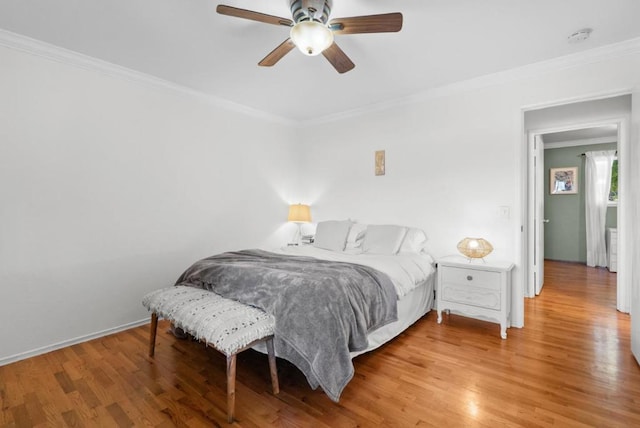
563 181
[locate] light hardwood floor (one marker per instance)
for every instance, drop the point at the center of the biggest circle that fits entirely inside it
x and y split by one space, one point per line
570 366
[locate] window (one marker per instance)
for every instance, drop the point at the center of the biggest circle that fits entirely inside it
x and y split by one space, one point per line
613 191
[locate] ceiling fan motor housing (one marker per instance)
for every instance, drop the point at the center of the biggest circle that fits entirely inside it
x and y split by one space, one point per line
311 10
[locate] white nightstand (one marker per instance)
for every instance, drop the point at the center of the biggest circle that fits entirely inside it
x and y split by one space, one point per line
475 289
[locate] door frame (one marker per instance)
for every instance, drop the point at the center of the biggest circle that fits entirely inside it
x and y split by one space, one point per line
535 234
624 275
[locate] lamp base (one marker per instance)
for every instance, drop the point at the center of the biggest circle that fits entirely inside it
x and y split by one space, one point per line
471 259
297 236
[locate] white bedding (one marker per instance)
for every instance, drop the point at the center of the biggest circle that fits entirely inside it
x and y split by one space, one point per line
406 270
412 274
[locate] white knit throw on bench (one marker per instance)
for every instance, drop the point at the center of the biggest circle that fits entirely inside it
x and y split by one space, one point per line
227 325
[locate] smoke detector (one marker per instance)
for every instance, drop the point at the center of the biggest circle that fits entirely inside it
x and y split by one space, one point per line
580 35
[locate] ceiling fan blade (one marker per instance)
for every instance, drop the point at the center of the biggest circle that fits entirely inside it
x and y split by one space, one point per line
385 23
338 58
254 16
277 54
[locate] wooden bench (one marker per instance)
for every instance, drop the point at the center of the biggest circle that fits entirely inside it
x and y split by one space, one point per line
228 326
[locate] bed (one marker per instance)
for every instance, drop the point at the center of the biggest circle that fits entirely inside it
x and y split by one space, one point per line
357 287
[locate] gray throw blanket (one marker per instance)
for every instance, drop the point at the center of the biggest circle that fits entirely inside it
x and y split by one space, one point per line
323 309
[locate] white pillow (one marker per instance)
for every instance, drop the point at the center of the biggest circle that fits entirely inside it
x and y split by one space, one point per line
332 235
356 236
414 241
383 239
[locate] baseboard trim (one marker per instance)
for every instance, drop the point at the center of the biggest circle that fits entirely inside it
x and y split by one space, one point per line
65 343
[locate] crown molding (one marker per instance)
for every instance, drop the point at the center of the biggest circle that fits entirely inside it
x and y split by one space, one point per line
55 53
45 50
603 53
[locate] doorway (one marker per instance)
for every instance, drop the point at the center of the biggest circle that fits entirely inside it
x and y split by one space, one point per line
573 118
564 223
595 134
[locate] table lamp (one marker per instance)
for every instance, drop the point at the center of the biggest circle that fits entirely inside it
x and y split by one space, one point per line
475 248
299 214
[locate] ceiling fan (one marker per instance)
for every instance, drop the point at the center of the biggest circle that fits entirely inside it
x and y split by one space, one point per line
312 32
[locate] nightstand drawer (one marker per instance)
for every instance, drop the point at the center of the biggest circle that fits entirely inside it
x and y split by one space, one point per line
471 278
479 297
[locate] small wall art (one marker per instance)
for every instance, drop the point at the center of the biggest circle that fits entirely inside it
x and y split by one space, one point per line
563 181
380 162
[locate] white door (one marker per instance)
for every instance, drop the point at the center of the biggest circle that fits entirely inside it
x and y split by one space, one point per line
634 270
538 216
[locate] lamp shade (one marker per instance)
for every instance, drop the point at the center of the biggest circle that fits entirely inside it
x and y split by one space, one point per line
299 213
311 37
475 248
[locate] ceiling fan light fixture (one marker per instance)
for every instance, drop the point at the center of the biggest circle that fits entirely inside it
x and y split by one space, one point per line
311 37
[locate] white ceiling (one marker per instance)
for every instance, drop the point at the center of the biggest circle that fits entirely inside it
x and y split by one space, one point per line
443 41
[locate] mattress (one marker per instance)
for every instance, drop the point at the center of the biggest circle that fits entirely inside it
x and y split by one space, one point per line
411 308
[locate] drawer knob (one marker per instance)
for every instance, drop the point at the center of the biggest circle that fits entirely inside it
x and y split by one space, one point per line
469 278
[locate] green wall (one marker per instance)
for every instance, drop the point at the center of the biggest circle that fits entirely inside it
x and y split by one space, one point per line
565 234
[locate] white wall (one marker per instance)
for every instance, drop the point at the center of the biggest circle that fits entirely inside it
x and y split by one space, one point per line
110 188
452 161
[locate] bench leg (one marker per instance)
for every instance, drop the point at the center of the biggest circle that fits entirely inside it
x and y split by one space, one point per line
152 334
272 366
231 386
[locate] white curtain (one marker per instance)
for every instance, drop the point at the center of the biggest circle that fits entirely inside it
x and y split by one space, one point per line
597 185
